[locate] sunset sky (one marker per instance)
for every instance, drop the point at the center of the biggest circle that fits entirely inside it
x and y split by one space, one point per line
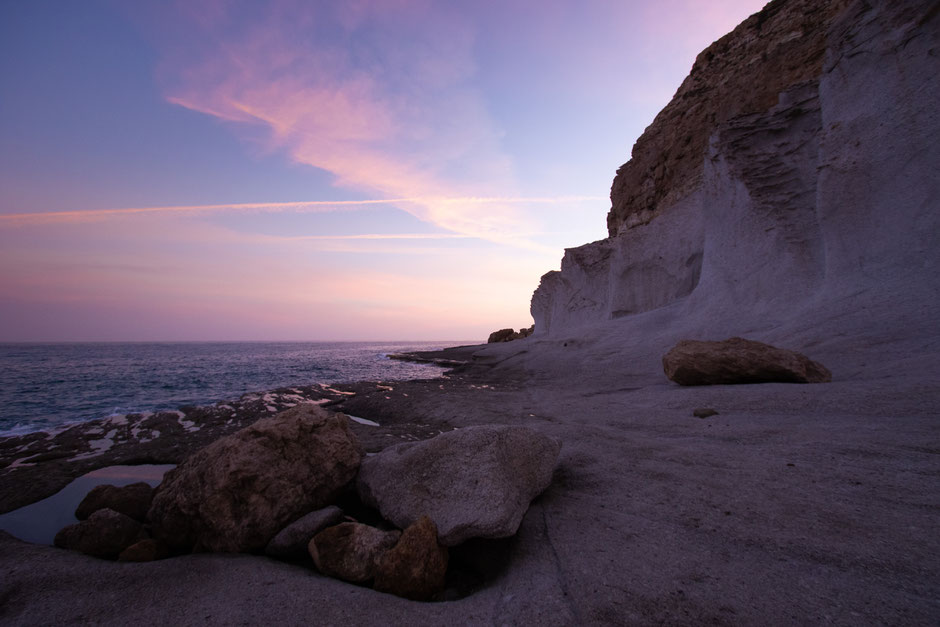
361 170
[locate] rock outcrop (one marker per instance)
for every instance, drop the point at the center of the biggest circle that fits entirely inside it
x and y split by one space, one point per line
736 360
473 483
237 493
131 500
509 334
794 172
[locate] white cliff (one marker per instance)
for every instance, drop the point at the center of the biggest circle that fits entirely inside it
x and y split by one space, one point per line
810 220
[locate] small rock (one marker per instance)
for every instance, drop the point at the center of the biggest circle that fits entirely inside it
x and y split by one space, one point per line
349 551
131 500
473 483
292 541
416 567
146 550
105 534
736 360
704 412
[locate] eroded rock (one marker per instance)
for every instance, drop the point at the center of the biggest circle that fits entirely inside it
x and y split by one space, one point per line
473 483
106 533
131 500
349 551
736 360
416 567
292 541
237 493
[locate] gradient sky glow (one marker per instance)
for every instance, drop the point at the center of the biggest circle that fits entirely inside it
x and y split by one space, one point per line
294 170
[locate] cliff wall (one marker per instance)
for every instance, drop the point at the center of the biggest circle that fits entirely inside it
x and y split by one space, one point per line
794 176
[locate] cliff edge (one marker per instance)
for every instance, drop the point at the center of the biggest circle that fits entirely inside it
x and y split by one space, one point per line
788 191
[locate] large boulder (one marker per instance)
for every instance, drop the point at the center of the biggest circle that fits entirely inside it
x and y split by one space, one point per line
106 533
291 541
131 500
416 567
736 360
349 550
473 483
238 492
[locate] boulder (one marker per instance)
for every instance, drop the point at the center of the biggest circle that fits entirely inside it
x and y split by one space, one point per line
238 492
349 550
146 550
736 360
416 567
131 500
292 541
106 533
473 483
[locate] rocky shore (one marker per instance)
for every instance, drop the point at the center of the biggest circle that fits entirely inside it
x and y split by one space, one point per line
810 503
777 222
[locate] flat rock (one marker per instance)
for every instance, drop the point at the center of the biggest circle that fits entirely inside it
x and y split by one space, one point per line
236 494
106 533
473 483
736 360
416 567
349 551
131 500
292 541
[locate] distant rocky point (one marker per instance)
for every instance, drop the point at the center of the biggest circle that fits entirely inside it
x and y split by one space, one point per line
508 335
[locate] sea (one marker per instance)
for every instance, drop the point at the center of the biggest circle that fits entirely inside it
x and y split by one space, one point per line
45 385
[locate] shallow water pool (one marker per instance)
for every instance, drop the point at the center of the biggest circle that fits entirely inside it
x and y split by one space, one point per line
40 521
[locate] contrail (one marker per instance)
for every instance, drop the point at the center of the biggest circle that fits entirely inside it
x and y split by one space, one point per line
304 206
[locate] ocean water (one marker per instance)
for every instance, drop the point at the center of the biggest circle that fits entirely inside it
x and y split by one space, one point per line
46 385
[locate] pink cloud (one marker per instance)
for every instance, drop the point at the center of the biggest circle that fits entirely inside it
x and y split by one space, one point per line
377 93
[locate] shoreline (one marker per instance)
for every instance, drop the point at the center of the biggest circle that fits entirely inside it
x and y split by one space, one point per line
811 503
35 465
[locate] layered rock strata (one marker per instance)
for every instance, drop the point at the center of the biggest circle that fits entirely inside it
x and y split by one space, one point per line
796 166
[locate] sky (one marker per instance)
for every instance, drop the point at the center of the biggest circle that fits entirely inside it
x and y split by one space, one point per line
299 170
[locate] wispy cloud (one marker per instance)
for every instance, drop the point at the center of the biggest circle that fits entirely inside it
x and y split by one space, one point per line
304 206
379 94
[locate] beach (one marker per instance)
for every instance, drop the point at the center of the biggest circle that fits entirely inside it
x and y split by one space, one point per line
808 503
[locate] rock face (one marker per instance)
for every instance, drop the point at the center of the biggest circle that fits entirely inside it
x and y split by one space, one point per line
416 567
473 483
737 360
292 541
237 493
105 534
131 500
349 551
793 173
